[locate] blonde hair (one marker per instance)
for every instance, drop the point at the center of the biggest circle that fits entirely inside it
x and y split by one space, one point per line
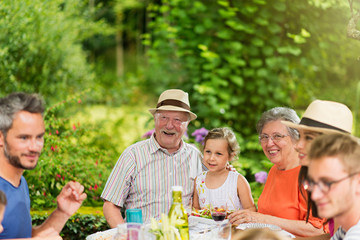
228 135
258 234
343 146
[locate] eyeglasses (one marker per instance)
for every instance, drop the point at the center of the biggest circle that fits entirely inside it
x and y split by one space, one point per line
163 119
264 138
323 186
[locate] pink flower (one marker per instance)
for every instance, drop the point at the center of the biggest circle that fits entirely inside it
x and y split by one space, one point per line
261 177
90 188
200 134
52 149
57 132
148 133
95 187
96 163
58 176
74 127
79 101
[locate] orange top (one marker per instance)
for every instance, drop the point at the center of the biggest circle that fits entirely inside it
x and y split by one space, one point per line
281 197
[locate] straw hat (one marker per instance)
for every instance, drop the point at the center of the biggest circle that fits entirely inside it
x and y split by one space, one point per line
326 117
174 100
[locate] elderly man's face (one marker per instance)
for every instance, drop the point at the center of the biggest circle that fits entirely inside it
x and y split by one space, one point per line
24 140
170 126
336 201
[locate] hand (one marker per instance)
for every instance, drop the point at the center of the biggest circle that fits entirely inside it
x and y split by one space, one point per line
70 198
245 216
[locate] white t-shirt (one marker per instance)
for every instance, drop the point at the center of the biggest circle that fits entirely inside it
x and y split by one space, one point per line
352 234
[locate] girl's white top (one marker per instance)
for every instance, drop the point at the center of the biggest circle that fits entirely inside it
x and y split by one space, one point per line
225 194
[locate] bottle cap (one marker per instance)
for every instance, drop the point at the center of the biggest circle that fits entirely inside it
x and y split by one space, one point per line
176 188
134 215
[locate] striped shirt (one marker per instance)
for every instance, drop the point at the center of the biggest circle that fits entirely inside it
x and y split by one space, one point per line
145 172
352 234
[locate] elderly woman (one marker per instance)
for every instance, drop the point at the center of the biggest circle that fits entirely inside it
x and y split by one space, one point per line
281 202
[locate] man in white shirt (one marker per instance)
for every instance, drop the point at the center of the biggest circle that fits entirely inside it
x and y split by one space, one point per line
334 182
144 173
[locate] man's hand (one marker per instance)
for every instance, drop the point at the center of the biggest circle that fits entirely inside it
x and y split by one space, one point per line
68 202
70 198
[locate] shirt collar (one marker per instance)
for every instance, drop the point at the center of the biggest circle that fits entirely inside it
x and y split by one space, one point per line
155 146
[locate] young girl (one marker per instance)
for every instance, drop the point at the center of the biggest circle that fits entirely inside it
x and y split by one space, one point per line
228 187
3 203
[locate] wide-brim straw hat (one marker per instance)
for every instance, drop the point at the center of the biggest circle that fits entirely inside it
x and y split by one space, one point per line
174 100
325 117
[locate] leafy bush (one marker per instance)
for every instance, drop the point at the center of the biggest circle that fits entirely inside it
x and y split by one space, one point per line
78 226
68 156
40 46
240 58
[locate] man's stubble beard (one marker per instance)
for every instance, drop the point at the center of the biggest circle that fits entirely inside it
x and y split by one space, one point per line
15 160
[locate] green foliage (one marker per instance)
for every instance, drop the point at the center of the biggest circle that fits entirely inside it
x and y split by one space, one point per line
230 59
240 58
68 156
78 226
40 46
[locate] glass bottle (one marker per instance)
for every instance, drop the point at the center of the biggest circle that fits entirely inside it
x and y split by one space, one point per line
177 214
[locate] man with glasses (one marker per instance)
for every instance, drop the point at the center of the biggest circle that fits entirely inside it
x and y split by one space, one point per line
146 171
334 181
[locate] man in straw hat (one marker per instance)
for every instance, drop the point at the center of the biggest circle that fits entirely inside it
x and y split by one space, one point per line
334 181
320 117
144 173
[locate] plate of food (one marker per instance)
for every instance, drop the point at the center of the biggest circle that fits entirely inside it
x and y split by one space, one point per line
206 213
104 235
244 226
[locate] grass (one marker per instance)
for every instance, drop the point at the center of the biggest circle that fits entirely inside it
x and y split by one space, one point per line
96 211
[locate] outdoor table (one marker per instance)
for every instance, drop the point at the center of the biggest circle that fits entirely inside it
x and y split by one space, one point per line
199 228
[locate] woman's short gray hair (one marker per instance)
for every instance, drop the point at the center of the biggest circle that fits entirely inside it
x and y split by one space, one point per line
279 113
16 102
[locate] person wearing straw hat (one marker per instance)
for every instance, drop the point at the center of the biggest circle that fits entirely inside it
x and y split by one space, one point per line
334 181
320 117
146 171
281 202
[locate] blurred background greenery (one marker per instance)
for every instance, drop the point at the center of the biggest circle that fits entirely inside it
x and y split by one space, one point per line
100 64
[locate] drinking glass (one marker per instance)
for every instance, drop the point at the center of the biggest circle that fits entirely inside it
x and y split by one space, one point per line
218 212
224 231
